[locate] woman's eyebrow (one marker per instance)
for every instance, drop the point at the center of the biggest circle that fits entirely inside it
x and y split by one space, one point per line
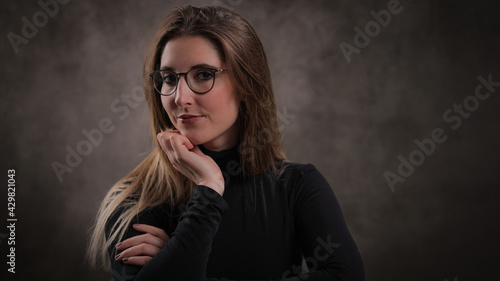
201 65
166 68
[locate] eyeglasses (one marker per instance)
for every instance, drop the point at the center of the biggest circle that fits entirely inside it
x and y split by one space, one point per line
199 80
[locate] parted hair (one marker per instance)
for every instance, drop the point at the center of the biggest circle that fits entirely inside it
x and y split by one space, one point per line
155 181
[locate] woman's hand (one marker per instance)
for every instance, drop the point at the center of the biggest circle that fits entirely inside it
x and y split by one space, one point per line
140 249
190 161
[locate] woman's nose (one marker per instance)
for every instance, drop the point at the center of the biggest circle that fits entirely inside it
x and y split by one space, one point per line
183 94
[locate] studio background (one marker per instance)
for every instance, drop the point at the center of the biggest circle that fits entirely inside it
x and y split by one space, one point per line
82 69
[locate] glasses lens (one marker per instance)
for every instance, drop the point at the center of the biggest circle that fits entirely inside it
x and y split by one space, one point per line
165 82
201 80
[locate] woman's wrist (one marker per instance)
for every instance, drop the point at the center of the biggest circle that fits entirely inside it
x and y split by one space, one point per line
216 185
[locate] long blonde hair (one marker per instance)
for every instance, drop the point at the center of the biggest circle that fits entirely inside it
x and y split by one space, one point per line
155 181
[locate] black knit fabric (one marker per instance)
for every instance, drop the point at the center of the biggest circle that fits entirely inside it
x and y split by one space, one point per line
261 229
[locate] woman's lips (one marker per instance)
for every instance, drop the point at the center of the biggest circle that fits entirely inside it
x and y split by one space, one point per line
188 118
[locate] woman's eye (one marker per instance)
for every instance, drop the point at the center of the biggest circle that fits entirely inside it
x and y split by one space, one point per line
204 75
169 78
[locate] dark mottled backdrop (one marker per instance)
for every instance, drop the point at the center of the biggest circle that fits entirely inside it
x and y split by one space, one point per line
356 105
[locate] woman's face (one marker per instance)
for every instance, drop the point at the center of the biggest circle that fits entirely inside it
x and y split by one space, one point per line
205 119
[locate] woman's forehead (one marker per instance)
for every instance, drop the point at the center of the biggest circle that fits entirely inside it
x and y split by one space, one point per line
183 53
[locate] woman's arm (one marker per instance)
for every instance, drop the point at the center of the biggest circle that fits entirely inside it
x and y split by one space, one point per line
185 256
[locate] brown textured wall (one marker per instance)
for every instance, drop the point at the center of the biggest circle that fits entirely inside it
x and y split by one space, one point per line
352 116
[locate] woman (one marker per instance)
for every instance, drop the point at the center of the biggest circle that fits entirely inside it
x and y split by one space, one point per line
215 199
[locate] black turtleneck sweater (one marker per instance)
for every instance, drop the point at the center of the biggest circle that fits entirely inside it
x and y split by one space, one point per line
261 229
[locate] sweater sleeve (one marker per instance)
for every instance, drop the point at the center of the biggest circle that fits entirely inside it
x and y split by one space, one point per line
327 246
186 254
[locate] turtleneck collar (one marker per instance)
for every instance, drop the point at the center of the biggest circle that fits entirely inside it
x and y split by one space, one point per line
230 153
228 160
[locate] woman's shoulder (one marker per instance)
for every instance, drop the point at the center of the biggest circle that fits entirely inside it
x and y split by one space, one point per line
304 185
296 177
296 165
296 170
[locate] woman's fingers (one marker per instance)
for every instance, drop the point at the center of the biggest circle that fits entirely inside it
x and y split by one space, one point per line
185 141
153 235
141 260
198 151
162 140
175 146
141 239
176 151
190 161
181 147
142 249
166 138
153 230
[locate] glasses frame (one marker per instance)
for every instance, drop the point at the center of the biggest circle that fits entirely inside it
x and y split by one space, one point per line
185 74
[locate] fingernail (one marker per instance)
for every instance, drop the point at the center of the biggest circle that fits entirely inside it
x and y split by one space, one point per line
124 259
135 224
118 244
117 256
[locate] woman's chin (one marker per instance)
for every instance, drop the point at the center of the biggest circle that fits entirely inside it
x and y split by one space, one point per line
194 139
198 141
